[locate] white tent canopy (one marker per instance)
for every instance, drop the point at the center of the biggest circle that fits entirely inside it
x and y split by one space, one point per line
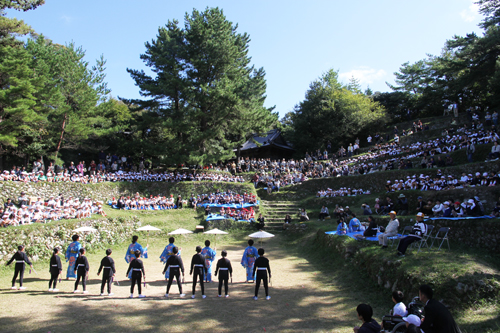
180 231
148 228
261 234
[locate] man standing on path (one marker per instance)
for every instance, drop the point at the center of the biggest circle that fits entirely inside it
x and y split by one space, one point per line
21 258
174 263
262 268
390 231
209 255
248 260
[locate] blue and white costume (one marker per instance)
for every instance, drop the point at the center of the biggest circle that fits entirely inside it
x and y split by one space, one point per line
209 255
72 253
354 225
342 228
167 253
130 255
248 261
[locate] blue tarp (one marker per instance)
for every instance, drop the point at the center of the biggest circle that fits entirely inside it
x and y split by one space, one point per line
149 208
359 233
213 217
235 206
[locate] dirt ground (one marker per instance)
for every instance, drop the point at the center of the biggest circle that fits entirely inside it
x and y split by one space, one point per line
301 301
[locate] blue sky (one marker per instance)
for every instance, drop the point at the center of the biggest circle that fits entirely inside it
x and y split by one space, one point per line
295 41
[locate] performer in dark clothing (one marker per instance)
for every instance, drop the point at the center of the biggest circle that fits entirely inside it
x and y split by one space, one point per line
437 317
82 271
176 265
109 272
21 258
262 267
200 269
55 269
137 268
260 224
224 266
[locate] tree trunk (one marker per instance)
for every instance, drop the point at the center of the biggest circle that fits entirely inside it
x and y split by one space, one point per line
62 136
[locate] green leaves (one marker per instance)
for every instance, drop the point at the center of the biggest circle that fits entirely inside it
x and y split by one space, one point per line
205 94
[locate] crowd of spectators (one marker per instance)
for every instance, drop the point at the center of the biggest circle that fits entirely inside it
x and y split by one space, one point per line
38 210
342 192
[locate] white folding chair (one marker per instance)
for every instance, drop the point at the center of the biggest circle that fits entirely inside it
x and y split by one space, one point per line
441 235
423 242
406 229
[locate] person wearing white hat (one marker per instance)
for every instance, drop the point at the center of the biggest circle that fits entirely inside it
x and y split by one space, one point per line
418 231
412 323
390 231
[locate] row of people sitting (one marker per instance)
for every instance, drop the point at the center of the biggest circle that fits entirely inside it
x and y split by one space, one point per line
341 192
52 209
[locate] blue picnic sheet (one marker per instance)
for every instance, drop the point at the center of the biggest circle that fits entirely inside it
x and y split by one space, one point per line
142 208
360 233
235 206
214 217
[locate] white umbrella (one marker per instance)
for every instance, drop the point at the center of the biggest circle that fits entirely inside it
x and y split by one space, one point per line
261 234
85 229
215 232
148 228
180 231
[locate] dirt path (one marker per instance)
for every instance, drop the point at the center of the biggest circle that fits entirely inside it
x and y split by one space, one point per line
303 300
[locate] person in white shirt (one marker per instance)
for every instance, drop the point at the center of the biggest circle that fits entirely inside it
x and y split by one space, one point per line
437 210
400 308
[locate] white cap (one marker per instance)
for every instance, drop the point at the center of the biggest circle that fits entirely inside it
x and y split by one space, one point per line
412 319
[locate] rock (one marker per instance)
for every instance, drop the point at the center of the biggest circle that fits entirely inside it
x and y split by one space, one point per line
461 288
480 283
387 285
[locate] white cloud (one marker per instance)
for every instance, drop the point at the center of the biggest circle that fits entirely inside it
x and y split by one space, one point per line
67 19
365 75
470 14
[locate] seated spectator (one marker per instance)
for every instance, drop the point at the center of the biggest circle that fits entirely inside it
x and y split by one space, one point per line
260 222
437 318
366 209
402 205
378 208
354 224
457 210
420 204
372 229
419 230
495 152
303 215
347 211
288 220
446 209
400 308
427 210
365 313
323 213
496 210
342 227
437 210
390 231
23 199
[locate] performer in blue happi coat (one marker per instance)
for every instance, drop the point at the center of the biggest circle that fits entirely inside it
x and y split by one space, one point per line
130 255
72 253
209 255
167 253
342 227
354 224
248 259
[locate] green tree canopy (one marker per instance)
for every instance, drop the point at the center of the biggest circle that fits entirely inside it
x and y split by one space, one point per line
205 94
331 112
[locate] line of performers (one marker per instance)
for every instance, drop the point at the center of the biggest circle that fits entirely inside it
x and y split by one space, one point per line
253 260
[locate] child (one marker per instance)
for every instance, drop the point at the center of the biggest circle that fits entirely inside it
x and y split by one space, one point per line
175 264
200 269
342 227
224 266
55 269
400 308
137 268
20 258
262 268
109 272
82 271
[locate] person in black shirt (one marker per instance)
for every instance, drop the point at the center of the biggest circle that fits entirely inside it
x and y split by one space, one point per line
224 266
175 264
137 268
21 258
200 269
55 269
260 224
109 272
372 229
82 271
262 267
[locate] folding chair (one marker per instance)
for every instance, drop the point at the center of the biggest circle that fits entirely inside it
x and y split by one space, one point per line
425 238
442 235
408 229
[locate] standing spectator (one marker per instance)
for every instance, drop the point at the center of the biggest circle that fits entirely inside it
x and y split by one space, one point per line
101 156
369 139
350 150
470 149
494 118
390 231
255 179
487 119
92 168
